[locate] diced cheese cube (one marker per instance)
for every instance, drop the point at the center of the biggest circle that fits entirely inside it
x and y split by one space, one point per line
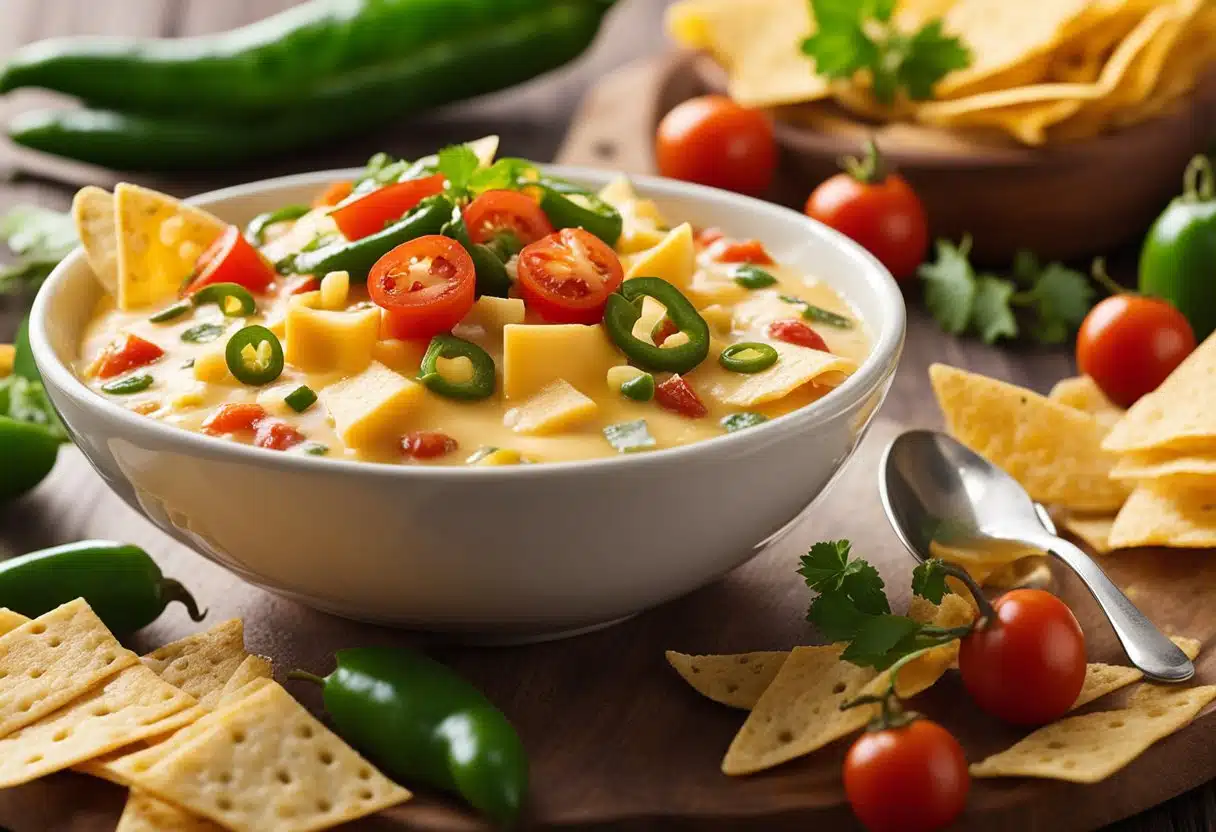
8 354
319 340
211 366
370 409
795 367
534 356
404 357
619 376
500 456
674 259
335 289
556 408
718 317
490 315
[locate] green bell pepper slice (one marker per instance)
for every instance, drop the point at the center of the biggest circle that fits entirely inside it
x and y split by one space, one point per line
255 232
623 310
579 209
262 364
233 299
480 386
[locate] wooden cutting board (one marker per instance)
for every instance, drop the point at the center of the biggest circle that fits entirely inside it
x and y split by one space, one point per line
617 740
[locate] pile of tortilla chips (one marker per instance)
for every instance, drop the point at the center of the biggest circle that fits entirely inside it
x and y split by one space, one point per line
198 730
1042 71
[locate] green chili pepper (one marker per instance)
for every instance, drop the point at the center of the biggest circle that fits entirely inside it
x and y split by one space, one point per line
739 421
203 333
301 398
171 312
357 257
243 304
624 309
491 270
628 437
122 584
422 723
255 232
312 448
639 388
480 386
264 361
29 452
752 277
733 358
596 216
817 313
1178 260
127 386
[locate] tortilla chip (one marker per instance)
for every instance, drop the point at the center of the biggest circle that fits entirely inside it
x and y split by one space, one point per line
202 664
96 225
1083 393
159 240
1159 517
10 620
921 673
1092 747
1169 469
145 813
252 668
1052 450
1101 679
736 681
269 764
1092 530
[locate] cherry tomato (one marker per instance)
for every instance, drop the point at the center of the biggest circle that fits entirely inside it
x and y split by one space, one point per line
796 332
911 778
234 418
126 353
334 194
676 395
427 444
744 251
232 259
1028 665
425 286
376 209
498 213
879 210
276 435
567 276
714 141
1128 344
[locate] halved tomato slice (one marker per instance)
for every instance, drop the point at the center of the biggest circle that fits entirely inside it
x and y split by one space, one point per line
566 278
424 286
232 259
497 214
368 214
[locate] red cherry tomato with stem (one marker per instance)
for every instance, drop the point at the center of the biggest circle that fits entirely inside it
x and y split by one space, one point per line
878 210
713 141
369 213
495 214
566 277
232 259
424 286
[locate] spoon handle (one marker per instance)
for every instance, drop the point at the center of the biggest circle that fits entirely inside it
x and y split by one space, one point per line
1145 645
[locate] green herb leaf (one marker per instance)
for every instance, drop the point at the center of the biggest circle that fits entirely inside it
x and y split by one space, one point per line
457 163
929 580
629 437
752 277
740 421
876 639
824 562
1061 298
202 333
950 286
836 618
991 315
40 238
1026 267
926 58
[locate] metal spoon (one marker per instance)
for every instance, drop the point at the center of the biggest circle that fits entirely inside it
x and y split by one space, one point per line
937 492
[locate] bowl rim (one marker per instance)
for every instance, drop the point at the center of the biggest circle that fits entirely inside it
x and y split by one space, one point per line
878 364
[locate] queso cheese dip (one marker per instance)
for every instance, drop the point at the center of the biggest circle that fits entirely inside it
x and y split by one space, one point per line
453 311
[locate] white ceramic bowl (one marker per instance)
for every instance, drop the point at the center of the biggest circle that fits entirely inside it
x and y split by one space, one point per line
500 553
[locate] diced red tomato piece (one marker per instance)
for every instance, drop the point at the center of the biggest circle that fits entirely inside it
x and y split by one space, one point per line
372 211
745 251
334 194
796 332
234 418
232 259
427 444
127 353
300 284
276 435
663 330
676 395
706 237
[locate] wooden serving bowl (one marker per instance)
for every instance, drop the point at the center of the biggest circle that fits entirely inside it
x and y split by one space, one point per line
1068 201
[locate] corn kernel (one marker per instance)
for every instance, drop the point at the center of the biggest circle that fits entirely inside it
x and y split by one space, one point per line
335 289
501 456
618 376
212 367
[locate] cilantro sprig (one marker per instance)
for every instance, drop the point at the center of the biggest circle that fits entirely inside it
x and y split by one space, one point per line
852 36
1044 302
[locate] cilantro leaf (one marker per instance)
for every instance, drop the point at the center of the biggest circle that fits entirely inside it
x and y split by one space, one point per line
950 286
457 163
824 562
1062 295
862 584
929 580
929 56
991 315
505 174
40 238
877 637
1026 267
836 617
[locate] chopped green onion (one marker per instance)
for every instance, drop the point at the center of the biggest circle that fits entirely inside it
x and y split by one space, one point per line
172 312
481 453
128 385
753 277
203 333
233 299
254 356
817 313
737 359
628 437
301 398
640 388
312 448
739 421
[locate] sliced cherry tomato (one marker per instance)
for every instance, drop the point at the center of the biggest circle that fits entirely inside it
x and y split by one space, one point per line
1128 344
676 395
425 286
126 353
567 276
910 778
427 444
1028 665
706 237
714 141
796 332
744 251
498 213
376 209
276 435
877 209
234 418
232 259
334 194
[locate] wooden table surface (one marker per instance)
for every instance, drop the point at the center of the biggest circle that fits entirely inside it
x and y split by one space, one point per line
532 121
